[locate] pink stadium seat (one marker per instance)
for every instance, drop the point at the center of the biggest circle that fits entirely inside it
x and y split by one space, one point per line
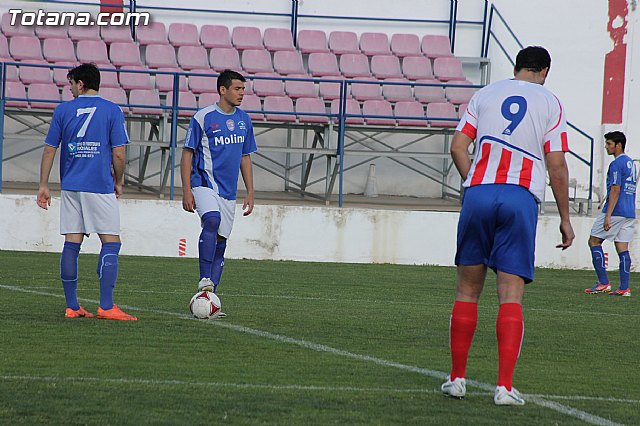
94 51
44 32
427 94
246 38
25 48
43 91
300 89
385 66
436 46
223 58
161 56
124 54
154 33
462 108
354 65
374 44
448 68
88 32
68 96
186 99
29 75
115 95
215 36
374 107
442 110
341 42
11 71
59 50
278 104
459 95
394 92
410 109
108 78
278 39
145 97
15 89
286 62
183 34
115 33
206 99
191 57
60 74
138 80
268 87
353 108
403 45
201 84
164 82
363 91
4 47
417 68
330 90
14 30
323 64
312 41
254 60
252 103
311 105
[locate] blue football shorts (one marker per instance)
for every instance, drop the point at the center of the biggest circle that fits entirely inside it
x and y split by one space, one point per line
497 228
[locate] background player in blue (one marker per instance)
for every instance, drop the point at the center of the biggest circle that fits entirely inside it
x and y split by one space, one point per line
617 220
91 133
218 145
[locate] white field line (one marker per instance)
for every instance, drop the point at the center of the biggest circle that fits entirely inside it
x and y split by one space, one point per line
579 414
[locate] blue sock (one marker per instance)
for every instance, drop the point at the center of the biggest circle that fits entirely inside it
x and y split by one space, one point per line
625 269
218 263
597 256
207 242
108 273
69 273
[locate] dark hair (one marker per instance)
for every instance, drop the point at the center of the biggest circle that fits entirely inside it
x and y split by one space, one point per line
616 137
88 74
533 58
225 78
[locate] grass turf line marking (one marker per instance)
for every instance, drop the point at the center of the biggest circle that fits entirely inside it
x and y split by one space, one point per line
555 406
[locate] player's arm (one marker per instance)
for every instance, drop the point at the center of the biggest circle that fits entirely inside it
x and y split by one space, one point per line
246 168
460 153
614 196
44 196
559 179
119 156
188 201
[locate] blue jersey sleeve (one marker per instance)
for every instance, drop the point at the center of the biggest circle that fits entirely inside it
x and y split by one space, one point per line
617 173
194 135
249 144
54 136
118 134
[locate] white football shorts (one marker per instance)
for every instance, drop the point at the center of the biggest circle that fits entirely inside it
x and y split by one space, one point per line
208 200
621 231
89 213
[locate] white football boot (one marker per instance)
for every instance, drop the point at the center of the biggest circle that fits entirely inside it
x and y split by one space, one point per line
205 284
456 388
505 397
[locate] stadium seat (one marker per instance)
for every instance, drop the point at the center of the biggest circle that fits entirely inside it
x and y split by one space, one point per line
276 39
24 48
330 90
183 34
108 78
436 46
44 32
191 57
353 108
94 51
4 47
154 33
300 89
186 99
58 50
115 95
201 84
252 103
341 42
164 82
403 45
244 38
68 96
161 56
354 65
215 36
29 75
278 104
427 94
448 68
365 91
442 110
206 99
395 92
286 62
11 71
14 30
311 105
145 97
410 109
254 61
115 33
374 44
323 64
138 80
417 68
268 87
375 107
84 32
124 54
222 58
60 74
15 89
43 91
462 108
385 66
312 41
459 95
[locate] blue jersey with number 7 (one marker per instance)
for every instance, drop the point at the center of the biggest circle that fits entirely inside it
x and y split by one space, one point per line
86 129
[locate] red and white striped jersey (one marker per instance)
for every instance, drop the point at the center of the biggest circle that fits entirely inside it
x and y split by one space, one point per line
515 123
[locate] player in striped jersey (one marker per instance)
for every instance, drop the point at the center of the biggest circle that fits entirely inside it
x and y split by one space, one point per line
520 133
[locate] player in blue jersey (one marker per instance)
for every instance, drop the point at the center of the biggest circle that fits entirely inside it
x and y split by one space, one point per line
91 134
216 149
617 220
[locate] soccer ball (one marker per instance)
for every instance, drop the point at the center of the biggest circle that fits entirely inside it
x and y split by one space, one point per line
205 305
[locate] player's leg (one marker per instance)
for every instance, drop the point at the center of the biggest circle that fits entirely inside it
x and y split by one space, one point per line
598 235
208 208
625 269
218 262
227 213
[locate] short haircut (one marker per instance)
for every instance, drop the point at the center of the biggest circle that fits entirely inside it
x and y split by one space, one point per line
533 58
225 78
88 74
616 137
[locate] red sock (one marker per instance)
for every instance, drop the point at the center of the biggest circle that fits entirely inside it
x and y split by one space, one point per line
509 329
464 318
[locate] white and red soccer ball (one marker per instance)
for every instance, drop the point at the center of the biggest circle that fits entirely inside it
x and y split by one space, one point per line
205 305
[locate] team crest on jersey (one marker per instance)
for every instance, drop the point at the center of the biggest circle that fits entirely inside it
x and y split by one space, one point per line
72 147
231 125
241 125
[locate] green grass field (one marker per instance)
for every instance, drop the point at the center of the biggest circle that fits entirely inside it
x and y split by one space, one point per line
304 343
